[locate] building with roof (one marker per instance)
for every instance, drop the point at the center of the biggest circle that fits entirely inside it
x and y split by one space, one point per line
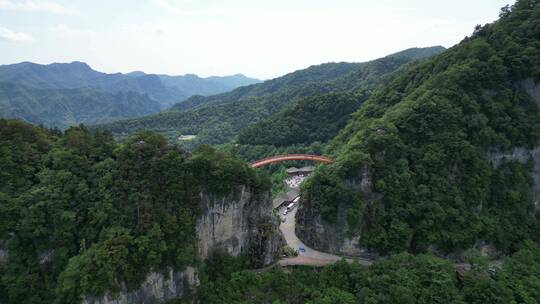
304 170
286 198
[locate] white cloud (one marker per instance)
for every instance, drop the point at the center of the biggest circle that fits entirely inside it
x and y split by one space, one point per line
37 6
9 35
69 32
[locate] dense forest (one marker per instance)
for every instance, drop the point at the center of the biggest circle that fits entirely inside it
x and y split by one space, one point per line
317 118
403 278
217 119
79 214
425 140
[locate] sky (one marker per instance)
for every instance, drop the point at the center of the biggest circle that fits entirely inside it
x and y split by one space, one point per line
262 39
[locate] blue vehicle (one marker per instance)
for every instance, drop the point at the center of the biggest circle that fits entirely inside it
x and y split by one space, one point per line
301 249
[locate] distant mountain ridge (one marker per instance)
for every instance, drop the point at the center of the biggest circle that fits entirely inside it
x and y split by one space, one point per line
33 85
67 107
165 89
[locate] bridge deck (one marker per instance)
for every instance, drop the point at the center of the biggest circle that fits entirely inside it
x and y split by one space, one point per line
280 158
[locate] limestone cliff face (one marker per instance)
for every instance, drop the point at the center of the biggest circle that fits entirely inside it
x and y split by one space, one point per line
522 155
157 288
327 237
530 87
333 237
241 223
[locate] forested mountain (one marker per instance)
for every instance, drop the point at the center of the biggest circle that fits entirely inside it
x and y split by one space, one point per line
313 75
80 75
441 159
67 107
319 118
81 215
66 94
216 119
427 164
163 88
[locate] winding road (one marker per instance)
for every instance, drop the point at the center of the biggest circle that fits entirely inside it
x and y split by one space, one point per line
308 256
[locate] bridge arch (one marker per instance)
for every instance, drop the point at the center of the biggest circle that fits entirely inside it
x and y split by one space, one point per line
286 157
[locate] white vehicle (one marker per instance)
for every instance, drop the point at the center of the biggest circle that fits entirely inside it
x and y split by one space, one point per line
290 206
285 212
296 200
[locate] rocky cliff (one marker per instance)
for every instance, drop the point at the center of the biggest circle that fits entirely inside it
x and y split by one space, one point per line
522 155
333 237
157 288
240 223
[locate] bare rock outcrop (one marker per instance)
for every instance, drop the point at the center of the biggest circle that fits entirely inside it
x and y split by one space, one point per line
334 237
522 155
240 223
157 288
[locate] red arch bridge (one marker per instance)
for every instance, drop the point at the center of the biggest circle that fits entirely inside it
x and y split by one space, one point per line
281 158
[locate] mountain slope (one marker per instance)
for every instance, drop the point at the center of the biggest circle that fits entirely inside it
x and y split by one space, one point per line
316 118
163 88
429 163
319 118
311 75
65 107
216 119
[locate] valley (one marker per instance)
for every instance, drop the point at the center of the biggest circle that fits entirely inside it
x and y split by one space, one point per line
411 178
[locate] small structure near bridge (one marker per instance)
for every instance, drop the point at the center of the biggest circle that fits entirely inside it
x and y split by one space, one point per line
286 198
302 171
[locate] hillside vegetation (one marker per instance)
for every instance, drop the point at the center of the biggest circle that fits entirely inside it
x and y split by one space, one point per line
216 119
402 279
80 215
424 140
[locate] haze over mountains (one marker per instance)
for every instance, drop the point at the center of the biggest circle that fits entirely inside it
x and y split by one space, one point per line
64 94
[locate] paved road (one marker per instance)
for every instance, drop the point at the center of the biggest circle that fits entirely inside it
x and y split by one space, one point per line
309 256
